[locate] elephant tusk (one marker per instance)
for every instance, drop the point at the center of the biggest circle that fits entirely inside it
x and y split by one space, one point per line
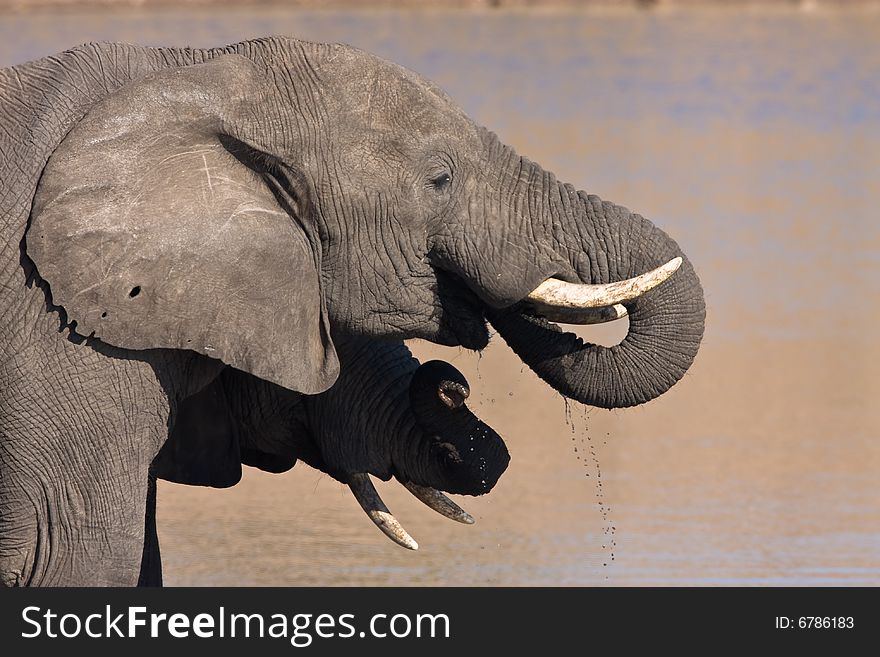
365 493
436 500
555 298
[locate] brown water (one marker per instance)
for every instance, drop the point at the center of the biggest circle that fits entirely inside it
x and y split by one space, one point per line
754 138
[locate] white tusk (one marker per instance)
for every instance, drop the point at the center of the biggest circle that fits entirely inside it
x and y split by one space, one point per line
436 500
554 294
365 493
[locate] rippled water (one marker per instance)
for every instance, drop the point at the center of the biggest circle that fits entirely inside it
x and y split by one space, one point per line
754 138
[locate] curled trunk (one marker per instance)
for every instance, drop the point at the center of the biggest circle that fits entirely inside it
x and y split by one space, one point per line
608 243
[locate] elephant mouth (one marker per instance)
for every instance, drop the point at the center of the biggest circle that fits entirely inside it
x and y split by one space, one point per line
462 320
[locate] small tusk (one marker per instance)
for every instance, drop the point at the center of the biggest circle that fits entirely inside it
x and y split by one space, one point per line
554 294
583 316
436 500
365 493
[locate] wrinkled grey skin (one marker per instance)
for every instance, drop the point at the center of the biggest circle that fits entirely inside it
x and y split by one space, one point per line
228 246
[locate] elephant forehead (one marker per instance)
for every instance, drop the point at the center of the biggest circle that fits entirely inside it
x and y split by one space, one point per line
377 95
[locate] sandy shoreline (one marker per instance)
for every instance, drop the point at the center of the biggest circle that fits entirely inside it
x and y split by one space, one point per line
48 5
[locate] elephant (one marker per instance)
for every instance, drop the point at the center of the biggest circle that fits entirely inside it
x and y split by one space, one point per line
213 257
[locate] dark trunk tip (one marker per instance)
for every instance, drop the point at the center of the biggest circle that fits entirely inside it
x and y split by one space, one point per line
437 379
452 394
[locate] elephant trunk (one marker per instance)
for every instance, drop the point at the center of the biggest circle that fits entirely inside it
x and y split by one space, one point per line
472 455
527 238
606 243
388 416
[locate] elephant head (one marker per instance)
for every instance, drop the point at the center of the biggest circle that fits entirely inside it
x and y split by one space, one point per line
386 415
417 414
256 205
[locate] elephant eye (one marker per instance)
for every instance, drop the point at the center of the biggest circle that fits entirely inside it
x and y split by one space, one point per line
441 182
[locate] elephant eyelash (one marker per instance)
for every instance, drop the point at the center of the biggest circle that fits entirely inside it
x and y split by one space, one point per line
441 182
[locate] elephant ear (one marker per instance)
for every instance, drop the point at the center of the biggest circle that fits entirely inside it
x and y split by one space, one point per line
152 230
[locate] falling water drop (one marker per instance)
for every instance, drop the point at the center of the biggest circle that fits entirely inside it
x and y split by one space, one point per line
586 453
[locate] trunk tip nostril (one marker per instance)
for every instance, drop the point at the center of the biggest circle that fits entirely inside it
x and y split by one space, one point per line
452 393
